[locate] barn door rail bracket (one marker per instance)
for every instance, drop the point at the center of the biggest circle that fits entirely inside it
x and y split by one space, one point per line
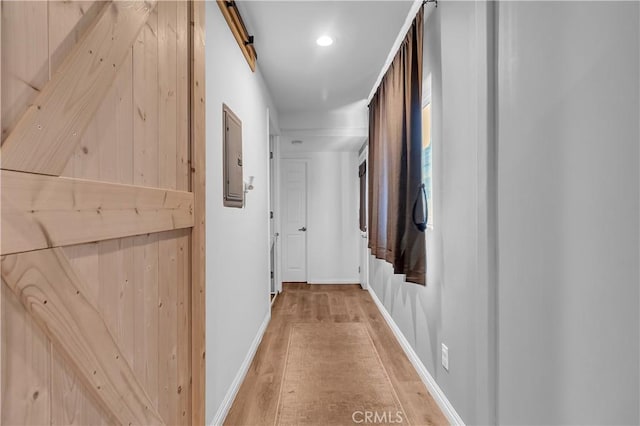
231 14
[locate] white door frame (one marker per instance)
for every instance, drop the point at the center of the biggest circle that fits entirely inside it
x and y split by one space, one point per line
269 189
275 163
273 189
281 164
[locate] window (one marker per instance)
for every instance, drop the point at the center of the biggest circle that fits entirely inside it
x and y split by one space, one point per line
362 174
427 178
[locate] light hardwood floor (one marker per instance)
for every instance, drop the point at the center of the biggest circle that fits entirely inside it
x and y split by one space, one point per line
259 396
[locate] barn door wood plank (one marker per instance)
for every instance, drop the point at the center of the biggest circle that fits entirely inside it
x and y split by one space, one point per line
47 133
25 391
51 292
198 260
184 240
168 280
2 345
145 166
25 368
25 58
76 406
41 211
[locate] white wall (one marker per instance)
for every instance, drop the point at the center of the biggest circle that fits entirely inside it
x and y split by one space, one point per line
332 216
568 212
533 274
339 129
237 239
452 308
352 118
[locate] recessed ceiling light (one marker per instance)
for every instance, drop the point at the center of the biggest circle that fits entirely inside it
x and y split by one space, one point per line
324 41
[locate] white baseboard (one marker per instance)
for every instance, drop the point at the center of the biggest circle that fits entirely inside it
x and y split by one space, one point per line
435 391
336 281
224 408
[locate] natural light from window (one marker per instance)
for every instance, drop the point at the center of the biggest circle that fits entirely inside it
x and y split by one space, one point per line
427 177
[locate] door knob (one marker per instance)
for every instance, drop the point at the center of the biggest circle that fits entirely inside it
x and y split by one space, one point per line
303 229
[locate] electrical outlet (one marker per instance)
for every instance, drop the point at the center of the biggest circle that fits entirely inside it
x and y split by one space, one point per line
445 357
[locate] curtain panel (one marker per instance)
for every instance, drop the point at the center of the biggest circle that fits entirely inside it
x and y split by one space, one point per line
395 160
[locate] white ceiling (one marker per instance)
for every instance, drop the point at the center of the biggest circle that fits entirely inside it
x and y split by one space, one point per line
306 80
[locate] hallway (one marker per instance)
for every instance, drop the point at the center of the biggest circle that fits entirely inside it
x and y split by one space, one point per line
319 212
323 342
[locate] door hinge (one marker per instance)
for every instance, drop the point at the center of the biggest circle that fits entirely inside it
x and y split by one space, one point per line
358 269
270 215
271 274
270 155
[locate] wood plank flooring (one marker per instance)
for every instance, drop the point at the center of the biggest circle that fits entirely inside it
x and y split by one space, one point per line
259 396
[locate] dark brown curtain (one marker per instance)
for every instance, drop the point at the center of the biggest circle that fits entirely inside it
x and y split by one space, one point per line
395 160
362 173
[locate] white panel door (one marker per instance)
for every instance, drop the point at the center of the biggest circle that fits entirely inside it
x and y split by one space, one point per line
294 220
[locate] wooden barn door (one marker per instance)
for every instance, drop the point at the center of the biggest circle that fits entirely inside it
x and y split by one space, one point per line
102 207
